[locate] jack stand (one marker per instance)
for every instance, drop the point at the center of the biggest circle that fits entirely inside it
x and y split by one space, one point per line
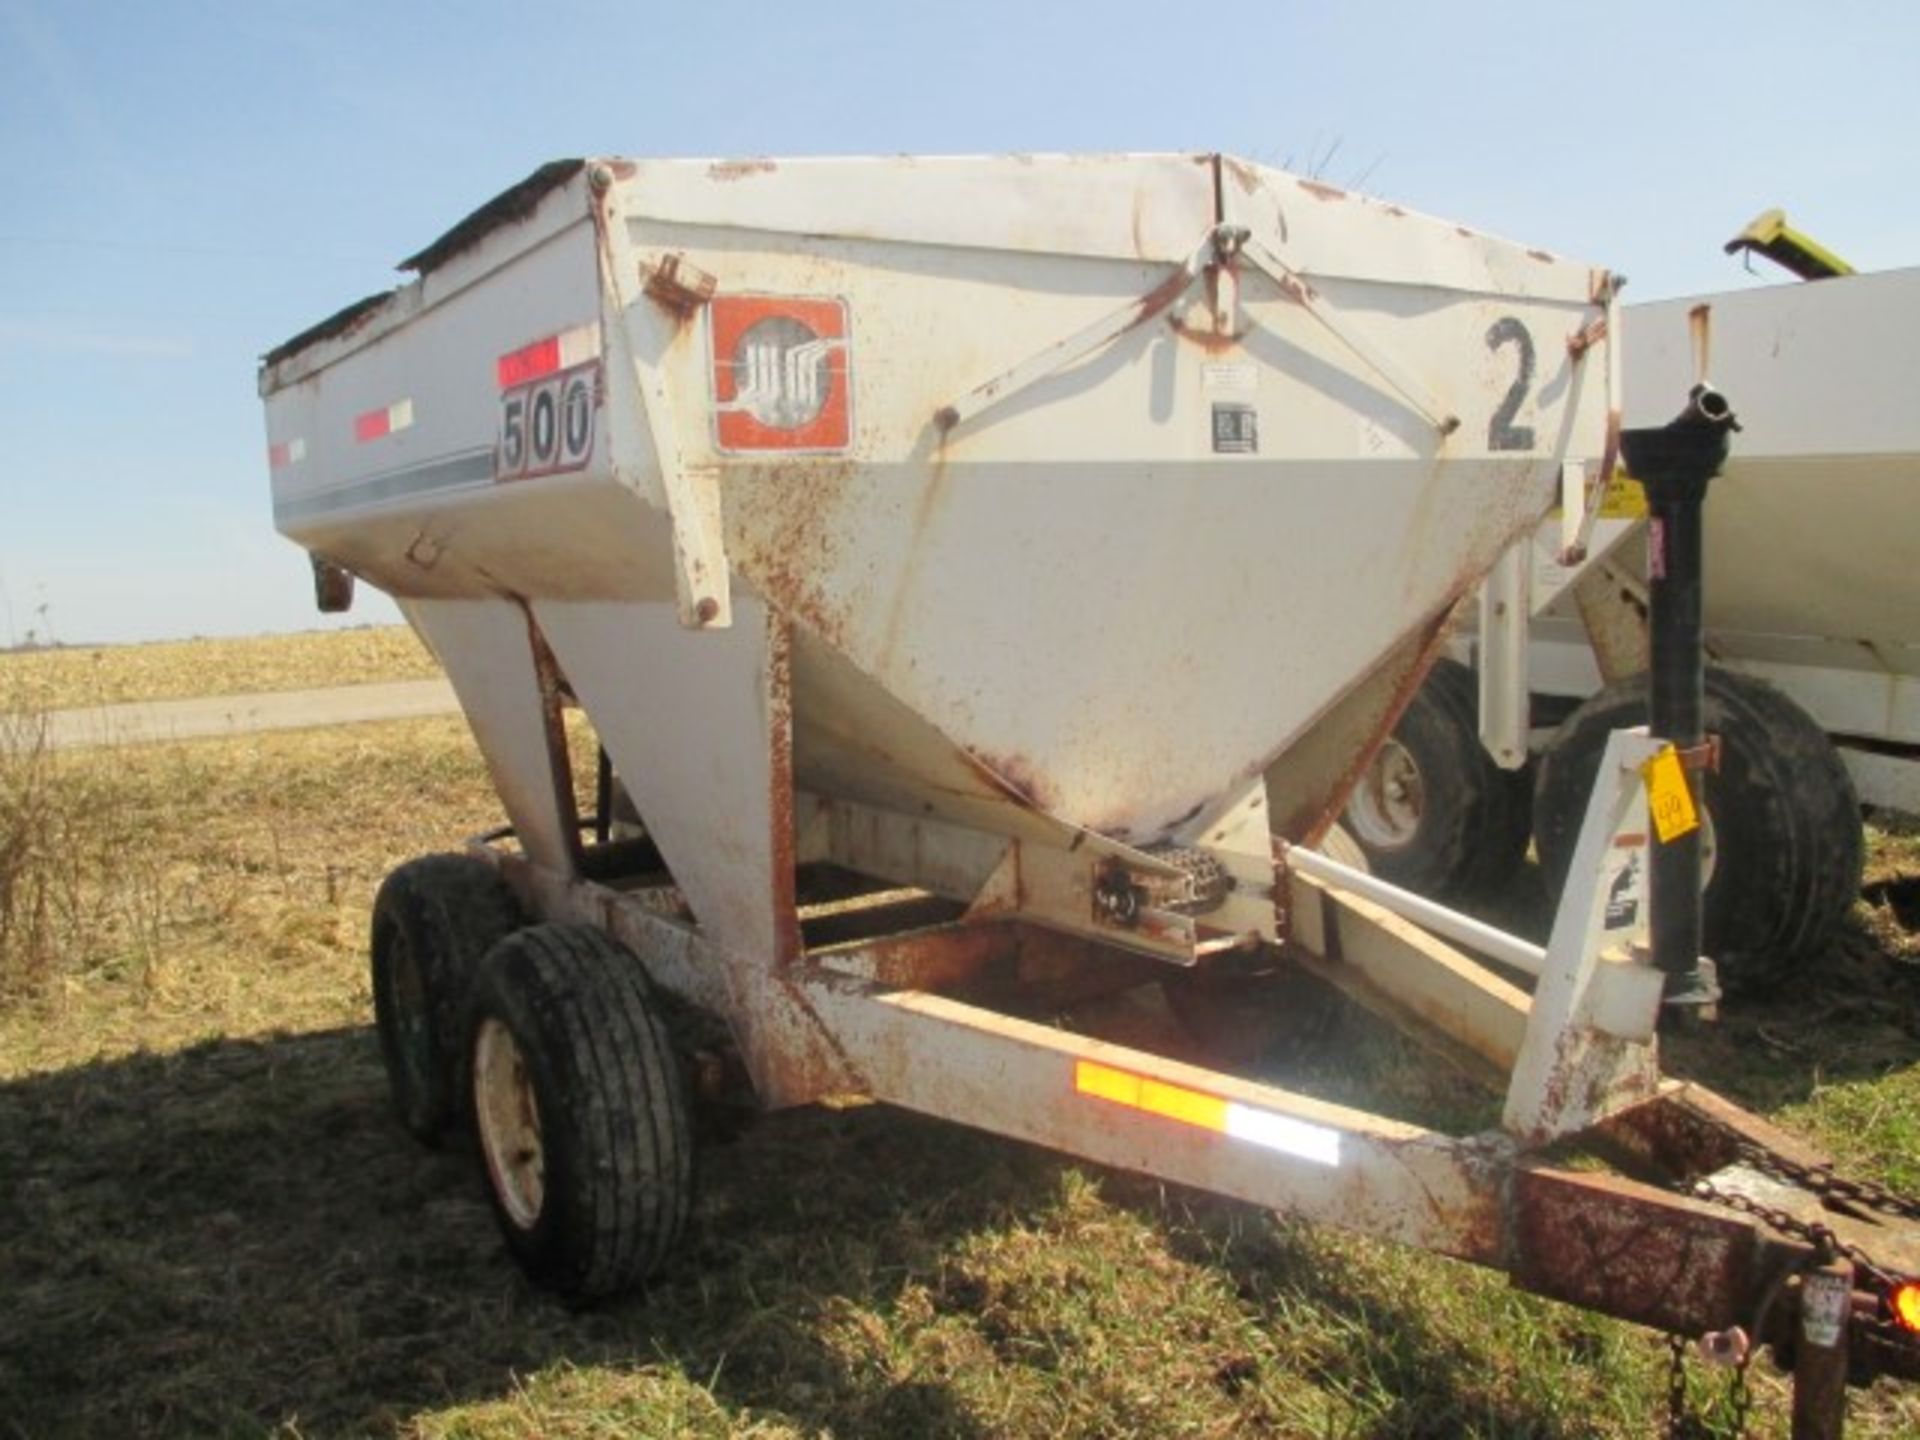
1674 463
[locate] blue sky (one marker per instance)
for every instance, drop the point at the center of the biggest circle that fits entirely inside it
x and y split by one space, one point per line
186 185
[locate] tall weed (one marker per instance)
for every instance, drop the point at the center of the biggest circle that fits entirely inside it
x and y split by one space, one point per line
33 891
76 881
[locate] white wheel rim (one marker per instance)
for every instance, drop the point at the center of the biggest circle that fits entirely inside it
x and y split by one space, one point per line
508 1113
1388 802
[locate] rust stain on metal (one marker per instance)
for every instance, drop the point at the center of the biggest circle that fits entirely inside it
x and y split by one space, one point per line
1308 826
1395 211
1636 1253
1158 299
1297 290
1015 776
1583 340
1476 1225
951 955
1689 1130
1322 192
926 504
508 207
353 318
794 1056
1243 175
678 287
554 696
786 913
788 568
1207 339
730 170
1545 257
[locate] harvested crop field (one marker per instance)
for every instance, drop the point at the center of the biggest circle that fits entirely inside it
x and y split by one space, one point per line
213 1225
70 676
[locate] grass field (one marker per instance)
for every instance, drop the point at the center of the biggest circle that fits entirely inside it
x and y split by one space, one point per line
209 1223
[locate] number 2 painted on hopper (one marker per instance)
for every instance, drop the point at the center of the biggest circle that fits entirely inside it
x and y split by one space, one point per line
1502 433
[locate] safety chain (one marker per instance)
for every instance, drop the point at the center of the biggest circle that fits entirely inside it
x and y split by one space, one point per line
1820 1180
1821 1237
1683 1423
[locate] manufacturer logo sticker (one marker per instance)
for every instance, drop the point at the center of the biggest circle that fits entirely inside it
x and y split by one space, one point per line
781 374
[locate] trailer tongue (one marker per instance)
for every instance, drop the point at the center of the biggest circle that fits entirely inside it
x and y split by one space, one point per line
985 579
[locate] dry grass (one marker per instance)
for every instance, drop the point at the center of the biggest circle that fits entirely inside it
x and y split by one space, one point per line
213 1226
76 676
243 870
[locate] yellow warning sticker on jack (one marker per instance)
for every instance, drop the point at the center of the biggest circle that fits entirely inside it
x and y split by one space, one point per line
1669 800
1623 499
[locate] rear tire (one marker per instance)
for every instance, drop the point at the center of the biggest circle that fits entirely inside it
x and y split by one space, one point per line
1781 810
433 920
1433 812
580 1109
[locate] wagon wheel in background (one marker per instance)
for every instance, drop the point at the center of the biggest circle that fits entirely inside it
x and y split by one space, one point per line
433 920
1433 812
1781 816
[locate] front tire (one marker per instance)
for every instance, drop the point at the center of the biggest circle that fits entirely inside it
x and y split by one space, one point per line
580 1110
1781 811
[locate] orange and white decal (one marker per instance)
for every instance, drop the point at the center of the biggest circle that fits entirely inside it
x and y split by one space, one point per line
387 420
565 351
283 453
1266 1128
782 373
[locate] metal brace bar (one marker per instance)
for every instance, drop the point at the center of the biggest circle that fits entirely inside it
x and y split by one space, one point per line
1504 613
1295 287
1448 924
1576 527
1102 332
702 588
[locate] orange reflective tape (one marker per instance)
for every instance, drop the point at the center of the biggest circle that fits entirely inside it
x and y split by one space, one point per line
1155 1097
1106 1083
1190 1107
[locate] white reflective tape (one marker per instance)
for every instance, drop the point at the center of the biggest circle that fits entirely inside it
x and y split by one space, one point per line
580 345
1297 1138
399 415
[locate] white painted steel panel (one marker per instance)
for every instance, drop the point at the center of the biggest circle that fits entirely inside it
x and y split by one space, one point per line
1811 529
1105 601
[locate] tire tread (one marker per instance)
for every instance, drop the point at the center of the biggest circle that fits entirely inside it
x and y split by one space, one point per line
614 1112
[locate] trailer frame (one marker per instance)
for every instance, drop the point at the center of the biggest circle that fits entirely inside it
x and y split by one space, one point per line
913 1010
